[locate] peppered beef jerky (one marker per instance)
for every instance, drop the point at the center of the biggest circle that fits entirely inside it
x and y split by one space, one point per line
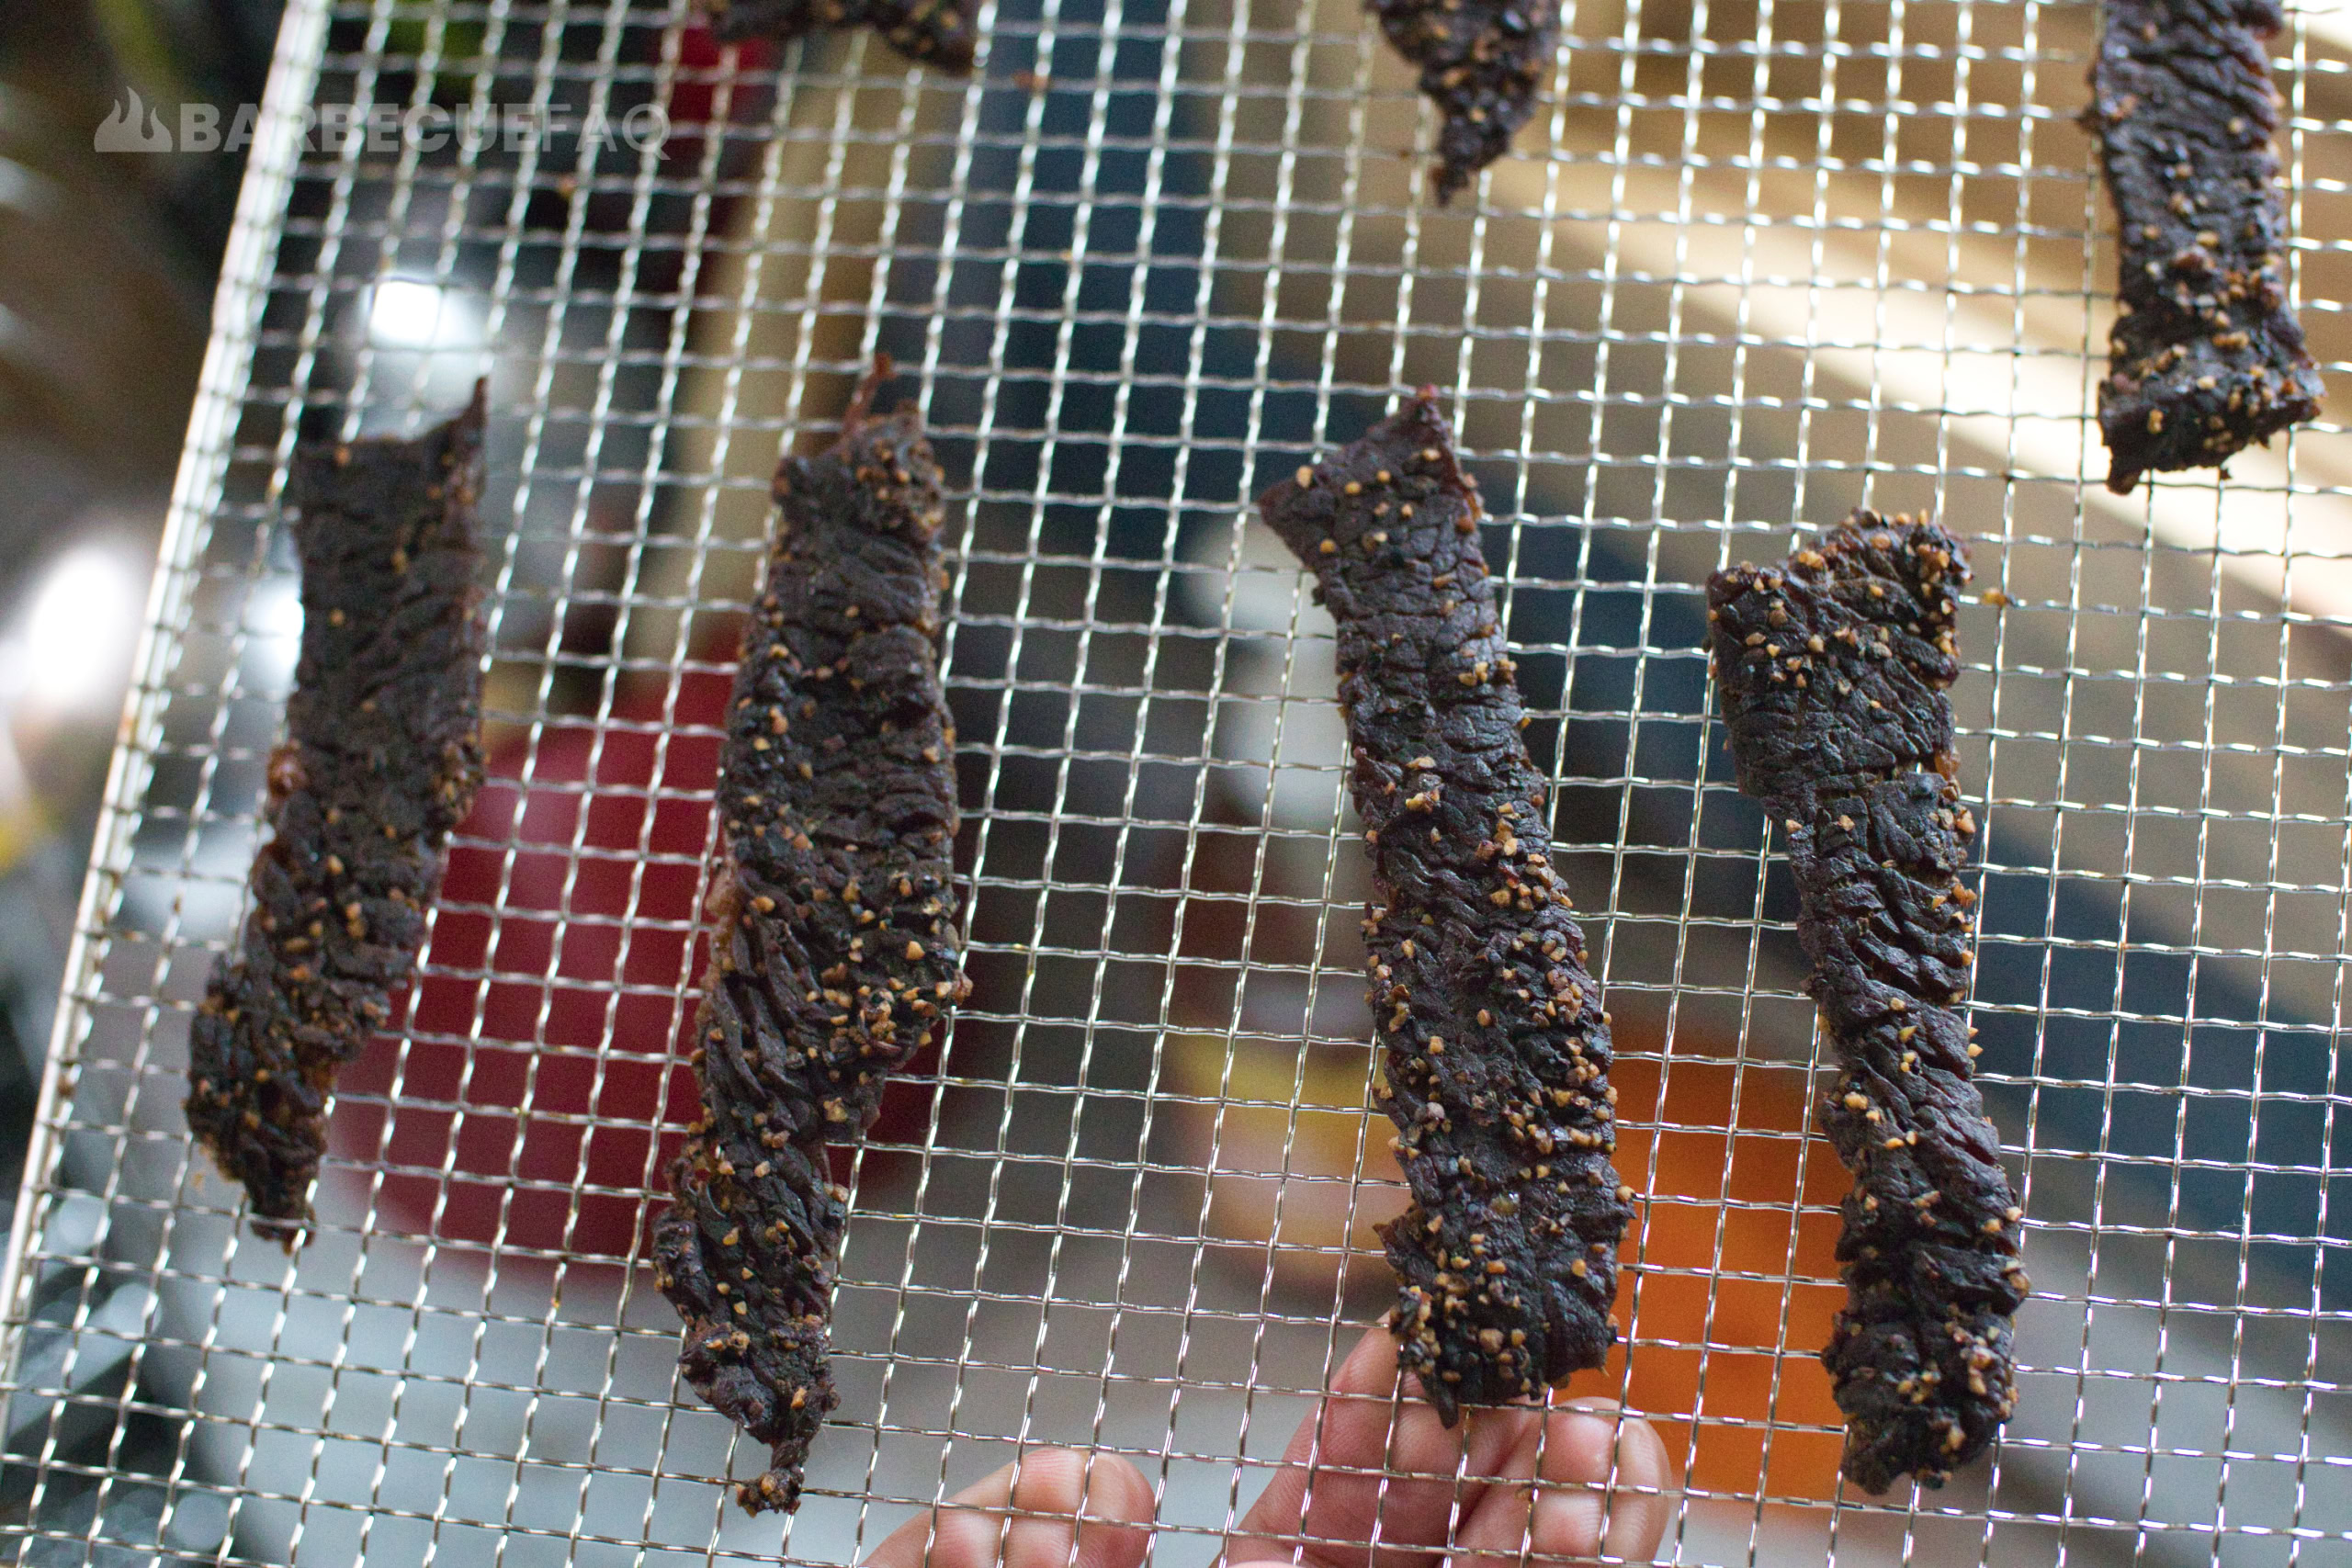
1496 1051
1481 64
1833 667
2204 356
933 32
381 761
833 942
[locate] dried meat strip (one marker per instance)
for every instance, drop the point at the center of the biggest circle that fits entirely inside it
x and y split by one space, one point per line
381 761
2205 358
834 953
933 32
1833 667
1482 62
1497 1050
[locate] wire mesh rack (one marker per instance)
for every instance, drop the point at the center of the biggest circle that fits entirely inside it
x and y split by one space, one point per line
1757 262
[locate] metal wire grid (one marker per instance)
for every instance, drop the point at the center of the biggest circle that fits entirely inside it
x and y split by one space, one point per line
1761 261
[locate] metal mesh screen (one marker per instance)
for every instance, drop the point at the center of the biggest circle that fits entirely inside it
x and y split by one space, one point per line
1757 262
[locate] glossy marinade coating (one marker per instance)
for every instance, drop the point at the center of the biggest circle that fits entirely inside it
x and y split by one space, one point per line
1482 62
1833 667
834 953
1496 1048
2204 356
381 761
934 32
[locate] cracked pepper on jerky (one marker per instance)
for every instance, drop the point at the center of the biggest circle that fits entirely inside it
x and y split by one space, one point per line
1834 667
2205 358
381 759
1496 1051
1481 64
931 32
834 953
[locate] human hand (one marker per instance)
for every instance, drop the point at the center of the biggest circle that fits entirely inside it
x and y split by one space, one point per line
1025 1516
1560 1484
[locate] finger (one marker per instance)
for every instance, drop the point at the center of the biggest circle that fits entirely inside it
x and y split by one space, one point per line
1586 1481
1339 1501
1053 1508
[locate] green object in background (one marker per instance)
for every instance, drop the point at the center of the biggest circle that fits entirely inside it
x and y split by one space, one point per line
460 41
140 42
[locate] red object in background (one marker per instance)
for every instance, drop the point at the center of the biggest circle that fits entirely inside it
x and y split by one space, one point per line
694 93
536 1127
576 970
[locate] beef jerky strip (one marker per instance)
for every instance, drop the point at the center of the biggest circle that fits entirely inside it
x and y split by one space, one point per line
833 945
1833 667
1481 62
1496 1062
933 32
2204 356
381 761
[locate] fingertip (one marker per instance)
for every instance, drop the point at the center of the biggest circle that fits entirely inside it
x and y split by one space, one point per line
1366 1462
1352 1427
1623 1479
1126 1495
1113 1512
1642 1459
1370 1367
1582 1480
1075 1511
1051 1509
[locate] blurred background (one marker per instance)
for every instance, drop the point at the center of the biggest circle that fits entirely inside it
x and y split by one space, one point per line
1766 259
106 272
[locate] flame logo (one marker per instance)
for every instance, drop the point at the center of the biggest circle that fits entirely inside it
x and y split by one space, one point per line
131 127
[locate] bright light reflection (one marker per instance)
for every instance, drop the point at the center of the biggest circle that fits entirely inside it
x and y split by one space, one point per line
273 618
83 623
428 339
406 313
422 316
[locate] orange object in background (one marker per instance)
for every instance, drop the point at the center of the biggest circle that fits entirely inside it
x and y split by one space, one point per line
1730 1287
1733 1280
